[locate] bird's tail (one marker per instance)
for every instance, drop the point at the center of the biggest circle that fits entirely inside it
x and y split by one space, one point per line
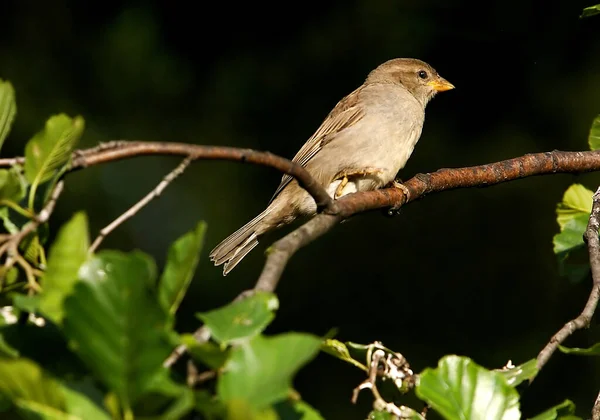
233 249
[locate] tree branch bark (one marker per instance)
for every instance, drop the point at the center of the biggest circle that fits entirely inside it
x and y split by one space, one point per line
332 212
119 150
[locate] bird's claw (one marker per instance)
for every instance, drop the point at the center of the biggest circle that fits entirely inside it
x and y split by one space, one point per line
395 210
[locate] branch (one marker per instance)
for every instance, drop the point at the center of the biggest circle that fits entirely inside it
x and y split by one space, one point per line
11 245
583 320
332 212
118 150
156 192
418 187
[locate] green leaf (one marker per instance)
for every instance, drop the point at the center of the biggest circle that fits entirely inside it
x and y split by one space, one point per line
564 410
296 410
570 250
590 351
407 413
50 149
28 387
82 407
209 405
576 201
114 323
180 397
338 349
594 137
380 415
8 224
460 389
207 353
180 267
590 11
12 185
68 252
242 319
8 109
31 248
259 372
27 303
517 374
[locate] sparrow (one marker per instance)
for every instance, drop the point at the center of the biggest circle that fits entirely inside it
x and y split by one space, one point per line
361 145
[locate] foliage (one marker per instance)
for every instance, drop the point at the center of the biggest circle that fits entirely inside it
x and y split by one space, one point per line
111 317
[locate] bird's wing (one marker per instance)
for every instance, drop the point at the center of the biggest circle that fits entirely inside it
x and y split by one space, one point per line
345 114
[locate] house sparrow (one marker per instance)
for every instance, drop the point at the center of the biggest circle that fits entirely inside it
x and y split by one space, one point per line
362 144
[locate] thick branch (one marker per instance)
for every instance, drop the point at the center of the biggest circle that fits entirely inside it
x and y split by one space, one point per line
335 211
421 185
584 319
473 176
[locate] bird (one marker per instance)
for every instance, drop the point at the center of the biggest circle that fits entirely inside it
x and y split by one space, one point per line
360 146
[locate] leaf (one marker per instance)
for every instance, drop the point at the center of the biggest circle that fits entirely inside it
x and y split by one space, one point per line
241 410
569 248
338 349
259 372
517 374
68 252
12 185
80 405
296 410
209 405
564 410
50 149
590 351
180 397
572 216
180 267
407 413
594 137
577 200
31 248
8 109
28 387
8 224
242 319
590 11
114 323
207 353
460 389
27 303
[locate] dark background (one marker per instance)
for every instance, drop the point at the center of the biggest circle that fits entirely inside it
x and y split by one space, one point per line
469 272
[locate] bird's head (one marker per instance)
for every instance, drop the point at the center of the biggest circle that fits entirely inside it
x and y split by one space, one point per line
418 77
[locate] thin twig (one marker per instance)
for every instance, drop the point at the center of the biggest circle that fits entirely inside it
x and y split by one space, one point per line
11 161
583 320
11 246
155 193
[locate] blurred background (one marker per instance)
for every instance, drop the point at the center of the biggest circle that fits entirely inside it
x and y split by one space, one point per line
469 272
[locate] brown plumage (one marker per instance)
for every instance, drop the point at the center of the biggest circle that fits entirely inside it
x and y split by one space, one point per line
361 145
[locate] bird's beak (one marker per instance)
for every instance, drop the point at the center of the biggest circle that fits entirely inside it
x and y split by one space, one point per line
440 84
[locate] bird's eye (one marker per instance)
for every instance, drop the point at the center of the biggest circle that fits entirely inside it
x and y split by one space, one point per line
422 74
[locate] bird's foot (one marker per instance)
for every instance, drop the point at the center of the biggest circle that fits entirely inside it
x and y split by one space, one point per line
398 184
394 211
352 173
